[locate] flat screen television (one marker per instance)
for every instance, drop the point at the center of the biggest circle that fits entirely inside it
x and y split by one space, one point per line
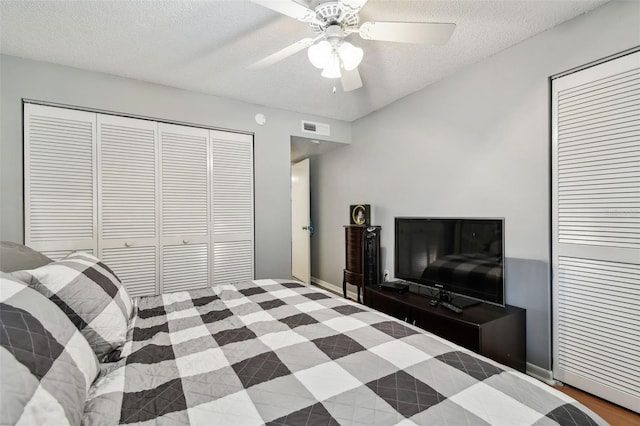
460 256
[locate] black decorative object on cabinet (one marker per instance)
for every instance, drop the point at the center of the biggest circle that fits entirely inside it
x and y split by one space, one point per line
362 257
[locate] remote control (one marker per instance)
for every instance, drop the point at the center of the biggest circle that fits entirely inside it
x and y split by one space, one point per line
451 307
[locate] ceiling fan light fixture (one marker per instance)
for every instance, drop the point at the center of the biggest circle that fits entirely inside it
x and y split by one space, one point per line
332 68
351 56
320 53
333 54
335 20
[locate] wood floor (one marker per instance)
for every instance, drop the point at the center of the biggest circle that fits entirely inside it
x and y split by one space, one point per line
613 414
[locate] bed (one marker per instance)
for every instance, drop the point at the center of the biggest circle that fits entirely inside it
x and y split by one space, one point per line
275 352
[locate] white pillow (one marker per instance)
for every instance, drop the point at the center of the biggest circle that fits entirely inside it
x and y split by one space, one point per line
47 365
90 294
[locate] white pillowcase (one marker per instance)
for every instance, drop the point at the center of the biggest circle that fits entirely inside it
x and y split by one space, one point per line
90 294
47 365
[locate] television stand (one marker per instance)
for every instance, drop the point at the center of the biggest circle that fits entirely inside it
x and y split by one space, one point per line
396 286
495 332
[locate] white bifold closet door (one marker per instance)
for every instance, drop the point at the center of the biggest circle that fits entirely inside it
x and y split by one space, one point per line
127 186
232 173
596 229
168 207
185 209
59 178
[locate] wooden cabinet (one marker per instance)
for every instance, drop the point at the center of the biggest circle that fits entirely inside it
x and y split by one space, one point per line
362 257
354 258
495 332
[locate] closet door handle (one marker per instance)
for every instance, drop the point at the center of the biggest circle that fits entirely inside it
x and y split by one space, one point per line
185 241
128 244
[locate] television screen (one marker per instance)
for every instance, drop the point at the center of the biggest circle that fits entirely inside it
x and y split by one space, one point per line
462 256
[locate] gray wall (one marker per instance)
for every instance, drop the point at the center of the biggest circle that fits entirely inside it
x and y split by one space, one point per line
46 82
476 144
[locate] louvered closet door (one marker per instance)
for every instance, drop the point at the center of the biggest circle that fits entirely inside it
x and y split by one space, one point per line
233 242
185 207
59 181
127 188
596 229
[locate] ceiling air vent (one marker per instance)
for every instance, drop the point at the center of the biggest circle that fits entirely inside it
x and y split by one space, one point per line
316 128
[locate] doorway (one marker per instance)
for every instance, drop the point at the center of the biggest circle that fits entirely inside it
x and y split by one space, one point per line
300 222
596 229
302 210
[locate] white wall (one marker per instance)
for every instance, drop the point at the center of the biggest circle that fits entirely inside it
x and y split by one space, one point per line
20 78
473 145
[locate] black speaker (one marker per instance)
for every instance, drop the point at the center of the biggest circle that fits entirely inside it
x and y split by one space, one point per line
371 259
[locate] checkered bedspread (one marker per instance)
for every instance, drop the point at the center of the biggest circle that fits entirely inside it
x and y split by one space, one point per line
279 352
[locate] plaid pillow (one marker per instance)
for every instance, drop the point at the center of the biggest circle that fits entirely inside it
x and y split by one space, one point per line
90 294
47 366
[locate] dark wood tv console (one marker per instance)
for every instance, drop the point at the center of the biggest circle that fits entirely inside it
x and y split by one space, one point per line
495 332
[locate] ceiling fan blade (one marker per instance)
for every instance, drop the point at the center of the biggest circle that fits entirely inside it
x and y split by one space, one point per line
283 53
351 80
407 32
289 8
353 6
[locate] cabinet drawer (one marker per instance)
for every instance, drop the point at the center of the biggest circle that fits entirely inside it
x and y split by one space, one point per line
465 335
354 234
388 306
353 277
354 248
354 262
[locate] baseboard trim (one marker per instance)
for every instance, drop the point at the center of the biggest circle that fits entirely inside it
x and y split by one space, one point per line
332 287
541 374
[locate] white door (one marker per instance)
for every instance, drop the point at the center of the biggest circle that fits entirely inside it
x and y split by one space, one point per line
168 207
232 206
184 179
128 202
300 220
596 229
59 165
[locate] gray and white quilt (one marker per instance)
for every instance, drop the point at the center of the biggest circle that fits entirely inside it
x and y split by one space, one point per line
283 353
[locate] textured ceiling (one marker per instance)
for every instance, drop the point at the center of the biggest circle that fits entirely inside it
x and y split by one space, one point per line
206 46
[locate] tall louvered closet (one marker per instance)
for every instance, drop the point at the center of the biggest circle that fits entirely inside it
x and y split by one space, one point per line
596 229
168 207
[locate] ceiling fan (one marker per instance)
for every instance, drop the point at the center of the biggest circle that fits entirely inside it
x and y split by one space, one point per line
333 21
